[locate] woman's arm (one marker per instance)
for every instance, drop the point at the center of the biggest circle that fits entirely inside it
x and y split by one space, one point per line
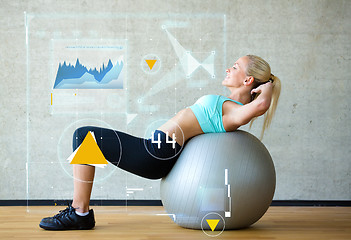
257 107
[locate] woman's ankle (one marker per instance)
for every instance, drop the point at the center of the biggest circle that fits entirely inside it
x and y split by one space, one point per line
80 207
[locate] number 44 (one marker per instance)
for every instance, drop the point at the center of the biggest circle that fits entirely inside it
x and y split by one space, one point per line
158 141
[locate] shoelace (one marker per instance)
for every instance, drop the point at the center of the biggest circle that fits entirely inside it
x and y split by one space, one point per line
63 213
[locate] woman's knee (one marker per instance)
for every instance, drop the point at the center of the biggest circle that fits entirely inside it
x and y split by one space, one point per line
79 135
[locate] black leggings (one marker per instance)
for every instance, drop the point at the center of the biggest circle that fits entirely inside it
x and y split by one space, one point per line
136 155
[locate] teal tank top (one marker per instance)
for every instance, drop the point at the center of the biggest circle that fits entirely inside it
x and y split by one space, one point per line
208 112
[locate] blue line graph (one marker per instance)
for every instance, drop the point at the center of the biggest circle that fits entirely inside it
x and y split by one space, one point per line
79 77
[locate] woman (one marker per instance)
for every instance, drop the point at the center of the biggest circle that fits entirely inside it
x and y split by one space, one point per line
254 91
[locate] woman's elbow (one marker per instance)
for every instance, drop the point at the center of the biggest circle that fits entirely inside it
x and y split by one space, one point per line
263 106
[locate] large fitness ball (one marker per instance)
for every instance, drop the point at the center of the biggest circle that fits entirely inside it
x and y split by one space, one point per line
228 176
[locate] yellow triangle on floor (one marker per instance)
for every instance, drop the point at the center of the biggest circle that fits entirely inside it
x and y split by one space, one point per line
89 152
212 223
150 62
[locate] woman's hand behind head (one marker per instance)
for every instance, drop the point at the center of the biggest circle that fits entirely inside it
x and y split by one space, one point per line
266 87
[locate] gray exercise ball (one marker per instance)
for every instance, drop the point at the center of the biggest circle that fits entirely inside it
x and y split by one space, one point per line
228 175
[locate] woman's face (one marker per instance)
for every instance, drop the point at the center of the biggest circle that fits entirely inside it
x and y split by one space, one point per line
236 74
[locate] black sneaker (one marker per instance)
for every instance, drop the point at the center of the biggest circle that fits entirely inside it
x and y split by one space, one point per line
68 220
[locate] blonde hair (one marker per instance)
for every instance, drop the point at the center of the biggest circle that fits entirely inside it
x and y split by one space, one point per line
260 70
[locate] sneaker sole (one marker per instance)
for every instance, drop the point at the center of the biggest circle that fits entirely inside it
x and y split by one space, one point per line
63 229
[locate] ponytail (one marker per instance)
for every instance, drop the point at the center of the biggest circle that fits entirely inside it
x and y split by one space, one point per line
268 116
260 70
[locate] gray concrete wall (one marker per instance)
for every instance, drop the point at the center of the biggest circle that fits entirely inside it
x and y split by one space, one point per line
307 44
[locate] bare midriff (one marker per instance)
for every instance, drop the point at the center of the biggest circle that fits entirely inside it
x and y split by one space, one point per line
184 125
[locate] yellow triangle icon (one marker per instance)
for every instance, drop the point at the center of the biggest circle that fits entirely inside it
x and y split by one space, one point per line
212 223
89 152
150 63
